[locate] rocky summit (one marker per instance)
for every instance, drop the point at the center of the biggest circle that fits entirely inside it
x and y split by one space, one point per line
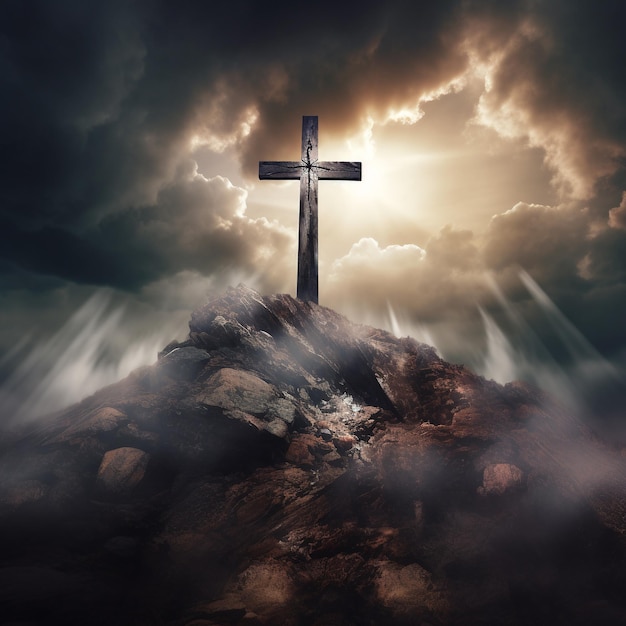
284 466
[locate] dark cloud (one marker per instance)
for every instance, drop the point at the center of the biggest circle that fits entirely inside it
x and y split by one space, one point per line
558 82
585 272
548 242
196 224
65 70
104 104
57 252
617 215
607 260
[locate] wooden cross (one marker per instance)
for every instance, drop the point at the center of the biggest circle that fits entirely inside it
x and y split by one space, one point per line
309 170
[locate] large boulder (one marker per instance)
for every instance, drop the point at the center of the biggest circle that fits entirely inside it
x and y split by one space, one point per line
122 470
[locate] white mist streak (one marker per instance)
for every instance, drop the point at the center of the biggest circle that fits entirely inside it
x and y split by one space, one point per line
500 362
75 362
587 360
403 328
521 354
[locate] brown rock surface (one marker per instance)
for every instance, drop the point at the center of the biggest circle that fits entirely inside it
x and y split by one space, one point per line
499 478
285 466
122 469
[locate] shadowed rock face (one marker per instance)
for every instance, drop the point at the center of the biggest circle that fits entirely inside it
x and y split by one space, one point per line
285 466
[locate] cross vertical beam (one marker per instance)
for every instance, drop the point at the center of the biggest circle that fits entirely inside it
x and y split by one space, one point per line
308 274
309 170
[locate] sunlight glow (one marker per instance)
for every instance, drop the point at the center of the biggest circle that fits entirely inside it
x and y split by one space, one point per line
363 142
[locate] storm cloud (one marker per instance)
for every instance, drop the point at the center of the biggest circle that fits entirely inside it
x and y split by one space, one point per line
109 107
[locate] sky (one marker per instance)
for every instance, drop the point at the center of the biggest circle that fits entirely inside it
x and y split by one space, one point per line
490 221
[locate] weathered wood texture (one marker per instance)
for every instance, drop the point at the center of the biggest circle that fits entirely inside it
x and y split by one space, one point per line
279 170
326 170
309 170
338 170
308 274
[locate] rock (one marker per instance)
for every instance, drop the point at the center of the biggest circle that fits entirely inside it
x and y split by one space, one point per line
501 478
242 391
326 434
409 591
277 428
238 390
122 469
246 397
183 363
267 589
299 451
344 442
333 458
102 420
25 492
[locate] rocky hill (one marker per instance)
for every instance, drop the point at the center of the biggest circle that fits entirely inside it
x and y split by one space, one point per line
285 466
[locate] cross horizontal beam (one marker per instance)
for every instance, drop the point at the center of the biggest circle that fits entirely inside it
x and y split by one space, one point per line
325 170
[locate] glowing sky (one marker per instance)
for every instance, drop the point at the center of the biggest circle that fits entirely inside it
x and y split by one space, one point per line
493 142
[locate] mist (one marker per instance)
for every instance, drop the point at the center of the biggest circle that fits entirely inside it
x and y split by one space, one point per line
105 339
98 345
